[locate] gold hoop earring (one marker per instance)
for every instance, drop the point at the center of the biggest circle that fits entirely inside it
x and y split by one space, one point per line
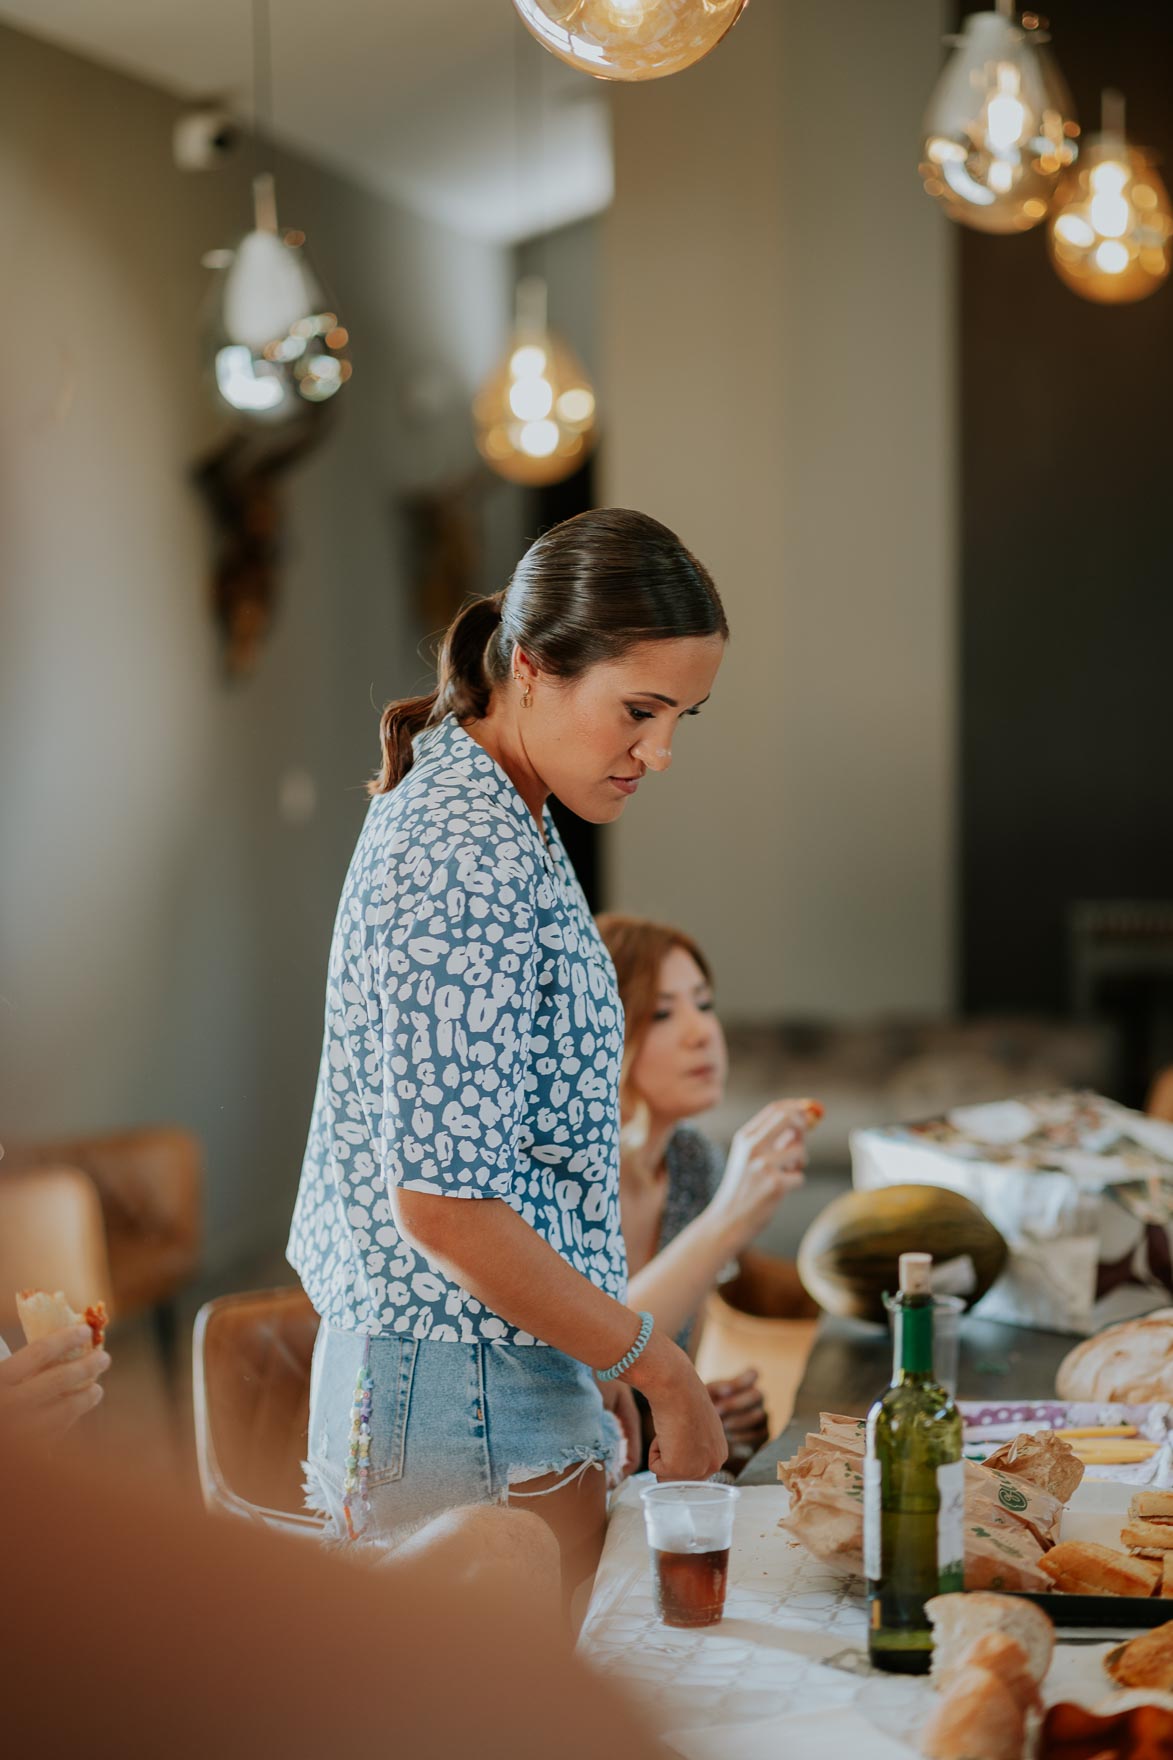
525 690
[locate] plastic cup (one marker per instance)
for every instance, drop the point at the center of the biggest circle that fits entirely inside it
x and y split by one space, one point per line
947 1312
690 1530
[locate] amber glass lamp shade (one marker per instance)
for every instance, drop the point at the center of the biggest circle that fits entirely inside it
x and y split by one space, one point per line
999 129
1110 232
535 413
272 343
630 39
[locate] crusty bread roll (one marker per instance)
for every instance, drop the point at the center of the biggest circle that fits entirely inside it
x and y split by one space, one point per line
1145 1662
41 1313
978 1719
959 1620
1131 1363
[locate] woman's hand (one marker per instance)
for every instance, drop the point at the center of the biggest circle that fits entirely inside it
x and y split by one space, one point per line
766 1161
742 1412
689 1442
42 1393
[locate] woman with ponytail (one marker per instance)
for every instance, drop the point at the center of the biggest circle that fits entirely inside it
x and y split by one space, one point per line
477 1351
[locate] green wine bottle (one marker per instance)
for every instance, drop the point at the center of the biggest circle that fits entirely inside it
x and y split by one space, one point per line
914 1487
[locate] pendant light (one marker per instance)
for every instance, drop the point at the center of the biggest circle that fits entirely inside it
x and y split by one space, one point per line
1110 229
535 413
534 416
630 39
1000 128
273 344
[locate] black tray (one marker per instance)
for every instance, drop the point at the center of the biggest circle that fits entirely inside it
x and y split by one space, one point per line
1117 1613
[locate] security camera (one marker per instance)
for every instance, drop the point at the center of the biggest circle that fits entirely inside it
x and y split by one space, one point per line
205 138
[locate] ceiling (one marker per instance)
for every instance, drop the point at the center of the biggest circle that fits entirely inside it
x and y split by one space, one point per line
417 99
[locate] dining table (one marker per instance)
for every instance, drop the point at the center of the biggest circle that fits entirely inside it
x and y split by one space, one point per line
850 1365
786 1671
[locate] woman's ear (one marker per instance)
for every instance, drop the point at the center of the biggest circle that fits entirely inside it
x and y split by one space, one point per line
522 667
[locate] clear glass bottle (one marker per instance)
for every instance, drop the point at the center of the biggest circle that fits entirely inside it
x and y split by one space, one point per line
914 1487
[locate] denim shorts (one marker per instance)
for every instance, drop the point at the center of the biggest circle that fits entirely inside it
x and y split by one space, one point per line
449 1425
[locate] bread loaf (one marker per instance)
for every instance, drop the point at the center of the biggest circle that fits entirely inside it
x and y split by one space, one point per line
1131 1363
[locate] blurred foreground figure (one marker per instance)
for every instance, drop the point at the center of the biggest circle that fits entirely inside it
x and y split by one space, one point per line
133 1625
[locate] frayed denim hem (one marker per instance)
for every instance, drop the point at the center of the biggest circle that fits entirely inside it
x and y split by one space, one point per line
608 1453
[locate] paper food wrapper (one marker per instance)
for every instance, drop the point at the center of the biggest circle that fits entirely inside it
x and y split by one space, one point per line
1010 1520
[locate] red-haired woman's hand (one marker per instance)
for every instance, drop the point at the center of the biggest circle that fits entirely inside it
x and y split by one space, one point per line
47 1386
766 1162
742 1411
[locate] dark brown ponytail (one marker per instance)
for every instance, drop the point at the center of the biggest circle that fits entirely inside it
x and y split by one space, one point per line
463 689
585 592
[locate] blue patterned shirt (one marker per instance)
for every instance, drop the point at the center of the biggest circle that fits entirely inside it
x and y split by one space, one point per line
472 1048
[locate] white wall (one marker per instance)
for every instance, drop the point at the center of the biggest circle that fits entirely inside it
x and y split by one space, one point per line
163 930
777 351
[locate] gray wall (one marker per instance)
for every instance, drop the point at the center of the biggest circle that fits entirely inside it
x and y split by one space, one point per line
777 350
163 929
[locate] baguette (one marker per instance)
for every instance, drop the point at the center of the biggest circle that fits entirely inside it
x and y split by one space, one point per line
1167 1576
1081 1567
961 1622
978 1715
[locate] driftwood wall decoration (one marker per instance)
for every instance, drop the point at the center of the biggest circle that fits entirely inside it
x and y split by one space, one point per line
241 482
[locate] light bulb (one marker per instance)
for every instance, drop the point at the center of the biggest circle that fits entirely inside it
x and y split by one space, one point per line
1111 230
272 345
630 39
535 414
999 128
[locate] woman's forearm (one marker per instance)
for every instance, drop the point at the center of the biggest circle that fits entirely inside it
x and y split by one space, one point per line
490 1251
673 1285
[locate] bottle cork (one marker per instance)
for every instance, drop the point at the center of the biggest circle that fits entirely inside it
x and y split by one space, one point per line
916 1274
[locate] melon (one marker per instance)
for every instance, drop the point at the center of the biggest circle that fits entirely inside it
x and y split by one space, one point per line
849 1254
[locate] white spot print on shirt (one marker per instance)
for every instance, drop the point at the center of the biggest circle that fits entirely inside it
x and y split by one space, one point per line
472 1048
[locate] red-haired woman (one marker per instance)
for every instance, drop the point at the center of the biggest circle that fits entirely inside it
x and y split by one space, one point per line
687 1215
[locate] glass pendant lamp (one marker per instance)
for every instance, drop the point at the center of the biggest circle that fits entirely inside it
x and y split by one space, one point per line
535 414
630 39
272 343
1000 128
1110 231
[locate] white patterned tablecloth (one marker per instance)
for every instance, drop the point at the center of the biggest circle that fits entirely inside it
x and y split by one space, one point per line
793 1641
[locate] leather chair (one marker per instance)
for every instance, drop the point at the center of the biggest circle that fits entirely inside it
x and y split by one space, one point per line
51 1237
251 1388
150 1183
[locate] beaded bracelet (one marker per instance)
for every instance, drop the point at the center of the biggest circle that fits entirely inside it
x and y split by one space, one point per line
637 1349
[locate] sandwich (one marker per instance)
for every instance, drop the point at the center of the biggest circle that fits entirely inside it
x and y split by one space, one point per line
1149 1539
41 1313
1151 1506
1081 1567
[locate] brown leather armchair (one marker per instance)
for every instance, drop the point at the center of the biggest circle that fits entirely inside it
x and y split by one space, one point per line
251 1358
150 1182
